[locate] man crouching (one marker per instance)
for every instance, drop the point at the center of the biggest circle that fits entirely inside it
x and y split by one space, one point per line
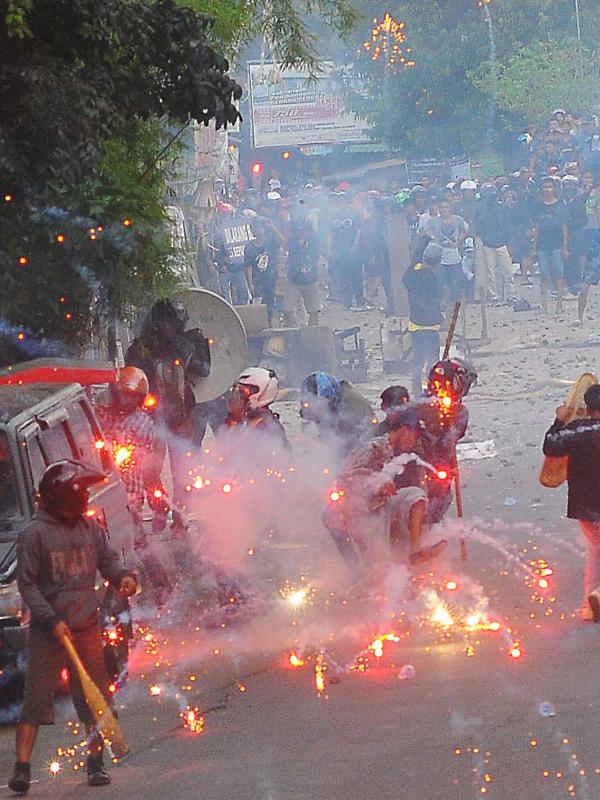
59 554
383 491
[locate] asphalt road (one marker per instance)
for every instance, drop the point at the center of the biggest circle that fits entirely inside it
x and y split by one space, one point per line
447 712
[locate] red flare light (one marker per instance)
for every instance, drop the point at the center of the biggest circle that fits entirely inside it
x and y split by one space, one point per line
227 488
7 198
336 495
515 650
23 261
99 444
442 474
150 401
157 493
451 585
64 675
60 238
446 401
296 661
90 512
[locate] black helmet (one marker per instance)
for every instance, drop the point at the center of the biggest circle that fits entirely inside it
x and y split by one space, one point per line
64 487
451 377
174 313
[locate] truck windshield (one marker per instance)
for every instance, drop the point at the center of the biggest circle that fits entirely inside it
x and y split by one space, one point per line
9 502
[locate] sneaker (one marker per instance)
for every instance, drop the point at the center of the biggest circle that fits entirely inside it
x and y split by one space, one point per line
427 553
21 778
97 774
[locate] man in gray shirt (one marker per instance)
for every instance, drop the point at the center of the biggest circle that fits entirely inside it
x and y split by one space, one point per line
59 555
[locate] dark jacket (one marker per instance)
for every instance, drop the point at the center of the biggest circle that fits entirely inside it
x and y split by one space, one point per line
171 361
56 570
423 295
260 419
492 225
580 441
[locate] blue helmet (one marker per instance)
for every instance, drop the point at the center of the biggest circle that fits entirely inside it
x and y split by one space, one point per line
322 384
326 391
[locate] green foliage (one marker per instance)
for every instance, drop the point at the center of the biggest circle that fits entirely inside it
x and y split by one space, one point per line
16 18
288 26
545 76
86 93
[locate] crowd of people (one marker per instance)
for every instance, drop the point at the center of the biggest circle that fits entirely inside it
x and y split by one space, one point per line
293 245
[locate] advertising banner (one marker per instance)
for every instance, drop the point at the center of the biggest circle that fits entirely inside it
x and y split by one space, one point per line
289 109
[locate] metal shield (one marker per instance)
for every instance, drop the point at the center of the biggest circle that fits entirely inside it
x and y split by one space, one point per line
223 328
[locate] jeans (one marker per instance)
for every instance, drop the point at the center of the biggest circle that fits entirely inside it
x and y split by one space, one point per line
426 351
452 276
351 277
234 288
551 265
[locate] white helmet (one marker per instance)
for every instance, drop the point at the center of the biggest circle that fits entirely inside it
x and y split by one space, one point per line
468 185
262 384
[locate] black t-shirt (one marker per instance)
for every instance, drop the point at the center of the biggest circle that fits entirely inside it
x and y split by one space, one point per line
262 259
343 233
549 219
303 260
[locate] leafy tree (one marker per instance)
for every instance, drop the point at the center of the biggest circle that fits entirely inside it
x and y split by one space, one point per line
292 29
443 105
85 89
545 76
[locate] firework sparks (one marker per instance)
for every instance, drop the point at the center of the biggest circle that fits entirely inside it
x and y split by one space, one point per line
297 597
441 616
376 646
320 669
192 719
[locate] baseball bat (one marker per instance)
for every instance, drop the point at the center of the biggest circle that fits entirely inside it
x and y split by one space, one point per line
101 711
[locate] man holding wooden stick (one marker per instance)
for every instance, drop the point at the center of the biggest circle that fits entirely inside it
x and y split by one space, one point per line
60 553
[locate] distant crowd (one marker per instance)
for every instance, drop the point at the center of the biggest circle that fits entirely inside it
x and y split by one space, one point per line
294 246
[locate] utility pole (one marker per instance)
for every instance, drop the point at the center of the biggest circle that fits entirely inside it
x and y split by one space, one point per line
578 21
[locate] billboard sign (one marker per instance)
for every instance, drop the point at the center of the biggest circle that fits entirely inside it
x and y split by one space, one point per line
289 109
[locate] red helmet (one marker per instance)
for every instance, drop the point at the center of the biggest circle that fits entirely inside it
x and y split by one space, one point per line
453 377
132 381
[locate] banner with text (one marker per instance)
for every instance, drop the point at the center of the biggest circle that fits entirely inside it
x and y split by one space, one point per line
289 109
